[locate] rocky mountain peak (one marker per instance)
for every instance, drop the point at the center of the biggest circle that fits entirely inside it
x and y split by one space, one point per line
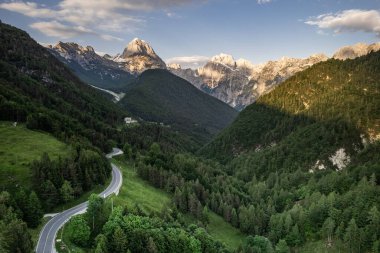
139 56
138 47
357 50
174 66
225 59
243 63
89 49
71 49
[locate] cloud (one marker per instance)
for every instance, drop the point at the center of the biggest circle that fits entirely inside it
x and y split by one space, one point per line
172 15
29 9
103 15
349 21
193 62
263 1
56 29
110 37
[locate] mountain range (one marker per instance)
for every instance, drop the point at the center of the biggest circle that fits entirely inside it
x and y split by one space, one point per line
236 82
155 95
326 111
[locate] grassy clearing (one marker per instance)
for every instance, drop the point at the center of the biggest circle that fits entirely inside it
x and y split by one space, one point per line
19 146
224 232
137 191
64 245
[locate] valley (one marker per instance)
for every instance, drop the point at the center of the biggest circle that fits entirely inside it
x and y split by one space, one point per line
119 147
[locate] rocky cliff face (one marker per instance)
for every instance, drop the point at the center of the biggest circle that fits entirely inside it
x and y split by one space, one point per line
239 83
100 71
360 49
139 56
84 56
136 57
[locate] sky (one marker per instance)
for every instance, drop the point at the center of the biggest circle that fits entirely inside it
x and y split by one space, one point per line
189 32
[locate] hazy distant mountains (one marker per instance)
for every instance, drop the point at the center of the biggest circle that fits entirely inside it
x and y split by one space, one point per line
235 82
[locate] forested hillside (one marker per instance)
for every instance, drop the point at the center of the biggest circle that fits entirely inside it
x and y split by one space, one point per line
306 160
39 93
163 97
38 89
332 105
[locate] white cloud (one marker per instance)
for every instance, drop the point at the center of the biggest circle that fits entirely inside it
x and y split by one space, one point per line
349 21
263 1
172 15
193 62
103 15
110 37
29 9
57 29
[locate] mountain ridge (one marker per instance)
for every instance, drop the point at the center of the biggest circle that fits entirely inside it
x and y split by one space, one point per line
333 104
239 83
160 96
235 82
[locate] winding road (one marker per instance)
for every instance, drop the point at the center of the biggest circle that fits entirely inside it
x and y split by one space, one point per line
46 241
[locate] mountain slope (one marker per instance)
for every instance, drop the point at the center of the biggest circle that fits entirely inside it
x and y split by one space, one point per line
38 89
91 67
161 96
328 110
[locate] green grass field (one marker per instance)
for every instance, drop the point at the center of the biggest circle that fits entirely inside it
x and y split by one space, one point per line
19 146
224 232
137 191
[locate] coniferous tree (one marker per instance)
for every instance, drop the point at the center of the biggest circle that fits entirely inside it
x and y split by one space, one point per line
119 241
351 236
151 246
66 191
33 214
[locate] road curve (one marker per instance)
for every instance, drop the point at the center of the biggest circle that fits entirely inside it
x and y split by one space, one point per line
46 240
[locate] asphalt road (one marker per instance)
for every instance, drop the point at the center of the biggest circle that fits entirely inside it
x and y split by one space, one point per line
46 241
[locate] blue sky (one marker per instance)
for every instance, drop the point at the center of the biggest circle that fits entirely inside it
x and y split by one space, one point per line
257 30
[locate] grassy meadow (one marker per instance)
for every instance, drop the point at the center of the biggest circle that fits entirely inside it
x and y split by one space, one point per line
19 146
